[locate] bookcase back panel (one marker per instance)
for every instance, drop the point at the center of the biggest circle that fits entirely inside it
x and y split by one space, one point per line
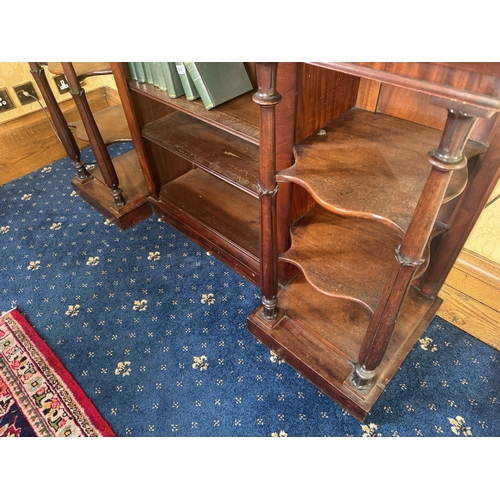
168 166
415 107
322 96
148 110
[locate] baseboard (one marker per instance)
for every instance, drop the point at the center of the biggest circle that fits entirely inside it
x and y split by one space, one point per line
471 297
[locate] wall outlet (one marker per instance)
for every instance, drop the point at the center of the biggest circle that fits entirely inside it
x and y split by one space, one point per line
61 84
26 93
5 101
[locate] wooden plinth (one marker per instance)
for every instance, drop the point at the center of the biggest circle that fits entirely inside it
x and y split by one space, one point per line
95 192
320 339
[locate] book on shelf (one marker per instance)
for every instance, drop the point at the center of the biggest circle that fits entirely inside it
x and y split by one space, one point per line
159 78
218 82
174 85
137 71
190 90
149 72
133 72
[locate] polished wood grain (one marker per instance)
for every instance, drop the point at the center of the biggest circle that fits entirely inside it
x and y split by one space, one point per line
452 81
82 69
410 105
224 155
322 96
121 75
267 97
359 179
322 247
96 141
111 122
363 159
368 94
483 179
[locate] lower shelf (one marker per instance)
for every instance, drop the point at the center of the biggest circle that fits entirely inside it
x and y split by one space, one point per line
95 192
320 336
217 216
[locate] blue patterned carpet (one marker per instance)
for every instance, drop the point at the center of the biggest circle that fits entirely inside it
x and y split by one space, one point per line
154 329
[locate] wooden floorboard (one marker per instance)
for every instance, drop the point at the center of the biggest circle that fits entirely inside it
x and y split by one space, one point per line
29 142
471 297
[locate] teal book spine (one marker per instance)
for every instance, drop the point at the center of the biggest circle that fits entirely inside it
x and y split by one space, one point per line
149 72
162 82
133 72
189 88
139 70
154 74
218 82
174 85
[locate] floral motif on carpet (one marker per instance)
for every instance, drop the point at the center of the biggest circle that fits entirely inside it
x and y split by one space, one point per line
38 396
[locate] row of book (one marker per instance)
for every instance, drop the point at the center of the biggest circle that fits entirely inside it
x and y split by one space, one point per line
212 82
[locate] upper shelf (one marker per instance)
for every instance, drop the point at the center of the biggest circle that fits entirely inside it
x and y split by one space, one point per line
370 165
239 116
476 84
222 154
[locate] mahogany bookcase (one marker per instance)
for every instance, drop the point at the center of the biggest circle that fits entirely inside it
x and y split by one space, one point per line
345 191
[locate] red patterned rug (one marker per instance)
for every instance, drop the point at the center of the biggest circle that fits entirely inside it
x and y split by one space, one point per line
38 396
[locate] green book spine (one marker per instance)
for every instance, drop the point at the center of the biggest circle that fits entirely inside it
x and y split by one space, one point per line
133 72
174 85
187 83
198 83
154 74
139 69
149 72
218 82
160 77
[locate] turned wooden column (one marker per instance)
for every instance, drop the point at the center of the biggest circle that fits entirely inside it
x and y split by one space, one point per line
482 181
444 160
99 147
61 125
267 98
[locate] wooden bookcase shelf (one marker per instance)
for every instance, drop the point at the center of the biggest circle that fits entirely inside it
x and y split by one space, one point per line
224 155
370 158
239 116
228 221
331 250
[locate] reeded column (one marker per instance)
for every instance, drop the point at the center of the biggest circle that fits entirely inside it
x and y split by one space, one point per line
63 132
101 153
444 160
267 98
